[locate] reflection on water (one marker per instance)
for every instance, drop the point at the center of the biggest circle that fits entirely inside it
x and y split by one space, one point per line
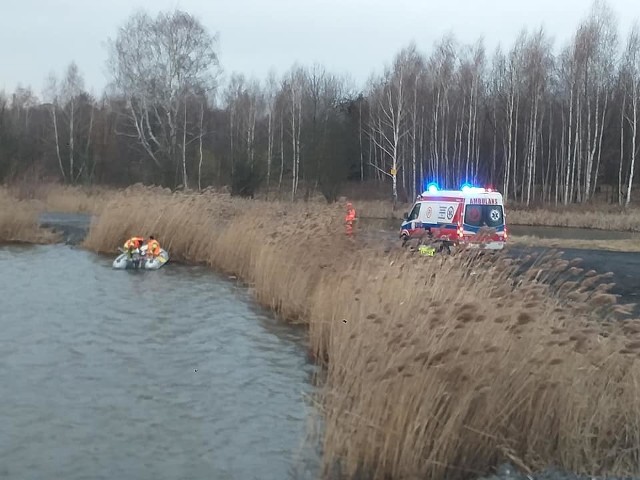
143 375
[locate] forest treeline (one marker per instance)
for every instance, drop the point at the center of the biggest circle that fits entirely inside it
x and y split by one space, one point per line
539 123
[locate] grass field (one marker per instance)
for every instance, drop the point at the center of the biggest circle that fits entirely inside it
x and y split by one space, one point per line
623 245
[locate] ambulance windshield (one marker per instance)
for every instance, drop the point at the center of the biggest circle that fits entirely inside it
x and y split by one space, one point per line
414 213
483 215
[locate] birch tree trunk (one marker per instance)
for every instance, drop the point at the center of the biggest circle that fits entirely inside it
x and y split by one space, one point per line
57 141
185 185
200 154
634 136
620 195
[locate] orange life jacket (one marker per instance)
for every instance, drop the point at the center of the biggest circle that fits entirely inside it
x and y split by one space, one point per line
133 242
351 215
153 247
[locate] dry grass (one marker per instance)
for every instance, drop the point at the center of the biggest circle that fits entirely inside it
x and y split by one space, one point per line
381 209
434 372
54 197
436 367
19 221
602 217
78 199
624 245
277 248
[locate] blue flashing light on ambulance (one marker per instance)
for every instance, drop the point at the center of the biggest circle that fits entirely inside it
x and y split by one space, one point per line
471 216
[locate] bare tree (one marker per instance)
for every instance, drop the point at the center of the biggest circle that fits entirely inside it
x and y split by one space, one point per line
51 96
69 106
631 76
71 89
392 108
294 85
270 103
442 65
156 64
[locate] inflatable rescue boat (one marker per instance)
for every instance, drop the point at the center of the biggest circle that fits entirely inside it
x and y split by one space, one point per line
139 261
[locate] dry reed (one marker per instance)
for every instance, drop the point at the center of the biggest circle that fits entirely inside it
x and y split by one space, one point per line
381 209
435 367
619 245
55 197
443 368
19 221
601 217
277 248
80 199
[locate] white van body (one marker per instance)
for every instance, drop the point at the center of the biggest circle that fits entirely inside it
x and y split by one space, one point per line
473 216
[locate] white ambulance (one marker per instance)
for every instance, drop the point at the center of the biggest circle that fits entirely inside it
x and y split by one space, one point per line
471 216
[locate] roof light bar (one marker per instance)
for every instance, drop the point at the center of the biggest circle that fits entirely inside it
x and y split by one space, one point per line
467 189
432 187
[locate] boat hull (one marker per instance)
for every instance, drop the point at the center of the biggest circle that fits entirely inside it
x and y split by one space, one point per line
140 262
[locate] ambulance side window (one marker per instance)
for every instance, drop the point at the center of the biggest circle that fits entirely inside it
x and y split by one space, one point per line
414 213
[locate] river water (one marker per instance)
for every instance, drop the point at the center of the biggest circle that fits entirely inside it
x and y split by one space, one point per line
170 374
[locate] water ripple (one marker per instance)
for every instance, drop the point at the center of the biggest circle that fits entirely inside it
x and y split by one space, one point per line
167 374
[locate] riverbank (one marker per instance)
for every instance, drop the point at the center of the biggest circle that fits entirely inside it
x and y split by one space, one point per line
434 367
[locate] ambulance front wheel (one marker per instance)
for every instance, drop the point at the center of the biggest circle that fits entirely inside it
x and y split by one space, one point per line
444 247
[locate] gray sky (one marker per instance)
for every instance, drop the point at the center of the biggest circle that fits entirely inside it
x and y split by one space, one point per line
346 36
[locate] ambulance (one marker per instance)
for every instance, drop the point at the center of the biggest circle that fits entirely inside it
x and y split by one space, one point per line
471 216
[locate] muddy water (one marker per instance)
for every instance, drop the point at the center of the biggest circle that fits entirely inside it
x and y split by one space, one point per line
147 375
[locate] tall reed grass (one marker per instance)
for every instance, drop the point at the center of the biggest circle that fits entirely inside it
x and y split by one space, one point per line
628 245
92 199
19 221
382 209
55 197
599 216
277 248
434 367
445 367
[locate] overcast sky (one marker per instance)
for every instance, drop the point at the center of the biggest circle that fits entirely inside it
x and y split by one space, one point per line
346 36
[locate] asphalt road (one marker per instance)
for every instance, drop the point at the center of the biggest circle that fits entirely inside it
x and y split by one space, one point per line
624 266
